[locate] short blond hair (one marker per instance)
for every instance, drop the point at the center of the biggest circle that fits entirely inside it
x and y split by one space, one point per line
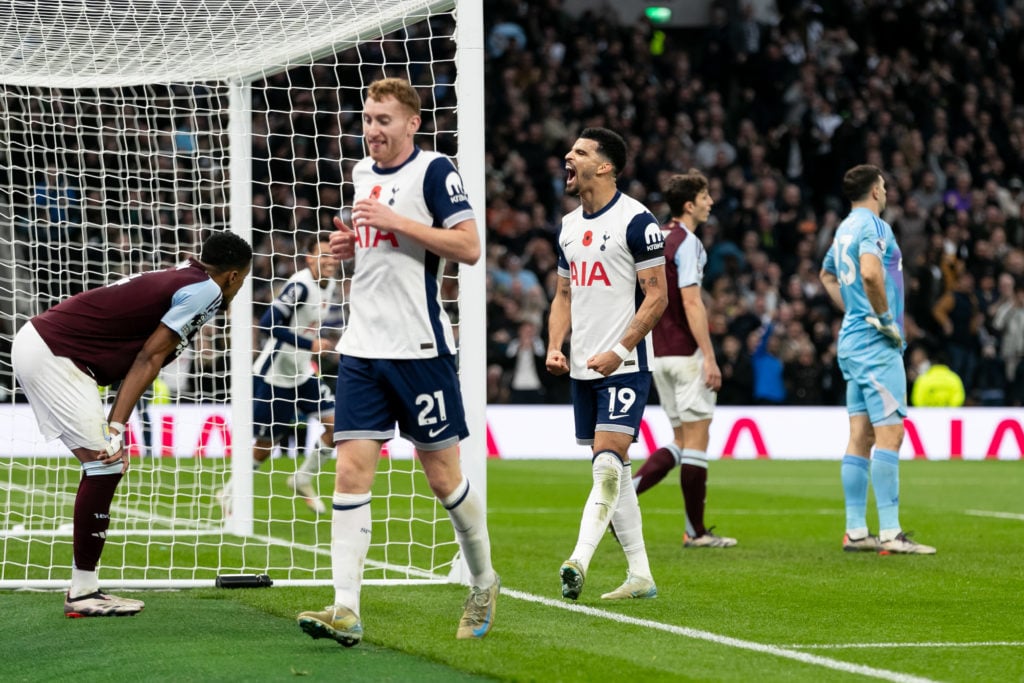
400 89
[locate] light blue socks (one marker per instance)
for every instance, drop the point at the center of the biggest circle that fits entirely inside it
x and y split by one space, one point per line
885 479
855 476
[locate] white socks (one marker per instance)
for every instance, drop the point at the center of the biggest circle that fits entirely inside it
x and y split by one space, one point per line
597 513
83 582
350 541
312 465
467 515
629 526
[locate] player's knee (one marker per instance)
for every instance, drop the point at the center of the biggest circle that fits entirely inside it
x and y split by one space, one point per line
607 465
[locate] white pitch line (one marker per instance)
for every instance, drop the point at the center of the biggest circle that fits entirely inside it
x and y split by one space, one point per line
696 634
997 515
850 646
676 511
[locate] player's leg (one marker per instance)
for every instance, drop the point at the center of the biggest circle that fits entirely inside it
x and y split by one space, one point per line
315 398
628 523
433 418
693 480
854 471
606 468
887 406
620 404
659 463
67 404
855 476
363 422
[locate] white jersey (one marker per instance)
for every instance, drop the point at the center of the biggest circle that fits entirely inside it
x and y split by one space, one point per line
395 306
601 254
293 322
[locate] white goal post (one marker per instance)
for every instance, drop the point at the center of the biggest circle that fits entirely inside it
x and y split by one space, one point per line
128 133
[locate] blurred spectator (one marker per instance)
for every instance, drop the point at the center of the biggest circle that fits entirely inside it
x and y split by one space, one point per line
1008 320
769 385
803 376
936 386
526 354
959 315
737 373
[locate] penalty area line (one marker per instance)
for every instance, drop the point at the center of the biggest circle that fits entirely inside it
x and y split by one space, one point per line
696 634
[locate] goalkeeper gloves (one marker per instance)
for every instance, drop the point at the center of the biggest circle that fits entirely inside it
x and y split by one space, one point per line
887 326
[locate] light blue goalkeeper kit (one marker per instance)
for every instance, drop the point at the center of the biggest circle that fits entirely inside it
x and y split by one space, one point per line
871 363
876 382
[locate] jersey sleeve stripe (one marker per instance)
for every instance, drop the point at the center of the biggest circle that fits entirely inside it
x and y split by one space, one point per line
650 263
457 218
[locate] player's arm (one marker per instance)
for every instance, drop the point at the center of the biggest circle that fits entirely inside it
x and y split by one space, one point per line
873 277
831 284
655 290
697 317
140 376
559 324
278 317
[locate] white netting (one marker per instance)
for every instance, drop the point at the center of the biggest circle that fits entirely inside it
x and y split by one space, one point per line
129 170
106 43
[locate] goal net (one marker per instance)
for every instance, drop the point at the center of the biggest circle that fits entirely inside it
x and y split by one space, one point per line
131 131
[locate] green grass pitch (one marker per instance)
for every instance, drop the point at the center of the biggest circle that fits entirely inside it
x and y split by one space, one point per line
786 604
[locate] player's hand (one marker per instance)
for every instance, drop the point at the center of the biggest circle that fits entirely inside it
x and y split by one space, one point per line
369 211
605 362
114 451
343 241
887 326
320 345
556 363
712 375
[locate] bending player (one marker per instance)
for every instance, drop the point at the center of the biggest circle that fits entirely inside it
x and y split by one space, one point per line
123 332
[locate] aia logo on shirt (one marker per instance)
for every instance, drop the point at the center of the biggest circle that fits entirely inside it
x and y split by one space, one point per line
368 236
586 274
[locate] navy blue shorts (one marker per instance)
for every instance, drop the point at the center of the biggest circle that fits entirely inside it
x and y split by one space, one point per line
277 409
422 395
609 404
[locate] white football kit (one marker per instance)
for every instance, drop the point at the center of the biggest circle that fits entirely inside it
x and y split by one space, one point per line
601 254
300 307
395 301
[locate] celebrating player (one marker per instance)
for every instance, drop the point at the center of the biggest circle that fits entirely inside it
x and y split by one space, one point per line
685 371
863 274
410 214
123 332
610 293
286 386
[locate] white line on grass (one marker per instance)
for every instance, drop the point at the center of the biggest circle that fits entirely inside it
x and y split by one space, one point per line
849 646
676 511
775 650
997 515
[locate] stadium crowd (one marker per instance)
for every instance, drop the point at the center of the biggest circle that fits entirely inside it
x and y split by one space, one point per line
773 109
772 104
